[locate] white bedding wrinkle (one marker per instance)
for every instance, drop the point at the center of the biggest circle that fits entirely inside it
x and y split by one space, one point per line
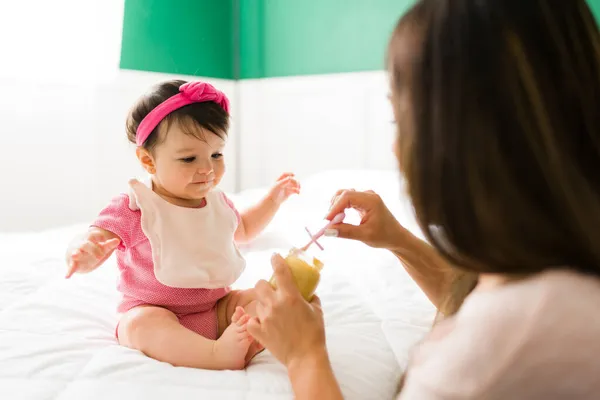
57 336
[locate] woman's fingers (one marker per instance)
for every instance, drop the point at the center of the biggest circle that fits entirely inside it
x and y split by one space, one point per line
338 194
264 291
316 301
349 199
346 231
254 328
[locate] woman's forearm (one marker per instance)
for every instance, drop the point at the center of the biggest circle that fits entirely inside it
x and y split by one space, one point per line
426 267
312 378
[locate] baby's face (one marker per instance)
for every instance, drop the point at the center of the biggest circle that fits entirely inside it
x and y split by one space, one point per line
187 168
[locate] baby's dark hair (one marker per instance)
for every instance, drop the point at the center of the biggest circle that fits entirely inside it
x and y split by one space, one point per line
206 115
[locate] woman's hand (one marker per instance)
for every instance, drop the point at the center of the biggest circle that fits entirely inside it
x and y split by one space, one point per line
378 227
289 327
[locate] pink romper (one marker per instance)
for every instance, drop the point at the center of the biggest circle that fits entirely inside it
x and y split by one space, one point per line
194 307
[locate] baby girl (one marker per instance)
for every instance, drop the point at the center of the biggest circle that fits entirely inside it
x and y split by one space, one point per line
175 234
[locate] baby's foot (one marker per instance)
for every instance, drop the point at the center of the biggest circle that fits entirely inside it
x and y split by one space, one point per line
254 349
232 347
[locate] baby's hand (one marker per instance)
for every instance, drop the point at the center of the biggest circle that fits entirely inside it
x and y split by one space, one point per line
89 251
286 186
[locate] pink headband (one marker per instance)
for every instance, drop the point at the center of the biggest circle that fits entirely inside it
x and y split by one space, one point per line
191 92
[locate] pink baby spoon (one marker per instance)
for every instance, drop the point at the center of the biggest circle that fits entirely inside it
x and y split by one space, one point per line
313 238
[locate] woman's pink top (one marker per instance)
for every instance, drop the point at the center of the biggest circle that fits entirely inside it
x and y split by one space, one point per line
533 339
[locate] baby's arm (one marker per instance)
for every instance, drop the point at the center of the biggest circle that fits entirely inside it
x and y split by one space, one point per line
116 226
255 219
88 251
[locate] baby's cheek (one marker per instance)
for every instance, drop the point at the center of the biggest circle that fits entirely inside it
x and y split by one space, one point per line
219 170
184 173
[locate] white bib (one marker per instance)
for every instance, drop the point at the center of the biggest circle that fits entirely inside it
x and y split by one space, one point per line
191 247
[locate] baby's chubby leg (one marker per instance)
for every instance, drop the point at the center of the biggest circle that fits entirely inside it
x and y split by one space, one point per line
157 333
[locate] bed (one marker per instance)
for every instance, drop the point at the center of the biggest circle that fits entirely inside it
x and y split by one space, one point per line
56 335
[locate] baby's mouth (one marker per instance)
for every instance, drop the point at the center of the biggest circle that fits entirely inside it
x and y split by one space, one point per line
203 182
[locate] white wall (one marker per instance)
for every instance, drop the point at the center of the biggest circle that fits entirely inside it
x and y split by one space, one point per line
314 123
60 40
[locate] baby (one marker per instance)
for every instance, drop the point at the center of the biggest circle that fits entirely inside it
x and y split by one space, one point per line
175 234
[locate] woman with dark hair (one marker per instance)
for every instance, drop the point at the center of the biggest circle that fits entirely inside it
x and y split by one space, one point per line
498 110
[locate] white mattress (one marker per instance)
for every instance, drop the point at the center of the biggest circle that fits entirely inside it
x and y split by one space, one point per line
57 336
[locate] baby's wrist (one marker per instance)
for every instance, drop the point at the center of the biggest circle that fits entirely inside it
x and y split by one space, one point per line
272 200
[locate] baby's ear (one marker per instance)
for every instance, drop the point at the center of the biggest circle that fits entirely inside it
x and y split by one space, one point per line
146 160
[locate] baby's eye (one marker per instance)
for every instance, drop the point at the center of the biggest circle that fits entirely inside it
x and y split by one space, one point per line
188 160
216 156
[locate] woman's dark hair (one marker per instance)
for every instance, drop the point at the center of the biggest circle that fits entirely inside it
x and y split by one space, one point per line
208 116
501 151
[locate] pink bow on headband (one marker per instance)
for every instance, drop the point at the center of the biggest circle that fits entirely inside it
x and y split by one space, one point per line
191 92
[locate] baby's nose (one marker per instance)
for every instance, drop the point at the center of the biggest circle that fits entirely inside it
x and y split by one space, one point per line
205 169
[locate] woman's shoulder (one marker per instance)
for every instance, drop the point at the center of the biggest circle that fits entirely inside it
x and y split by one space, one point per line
539 289
517 336
542 298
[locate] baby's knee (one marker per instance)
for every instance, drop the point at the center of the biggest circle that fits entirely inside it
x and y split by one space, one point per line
248 300
250 308
245 297
139 323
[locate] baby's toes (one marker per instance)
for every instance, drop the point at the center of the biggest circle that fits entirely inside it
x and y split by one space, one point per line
243 321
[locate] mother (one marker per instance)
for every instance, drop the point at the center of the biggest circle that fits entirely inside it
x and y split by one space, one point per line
498 111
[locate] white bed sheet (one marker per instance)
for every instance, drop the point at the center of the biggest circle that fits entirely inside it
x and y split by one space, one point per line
57 336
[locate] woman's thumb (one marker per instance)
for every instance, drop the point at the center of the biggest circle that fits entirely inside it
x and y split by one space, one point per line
255 329
345 231
283 274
